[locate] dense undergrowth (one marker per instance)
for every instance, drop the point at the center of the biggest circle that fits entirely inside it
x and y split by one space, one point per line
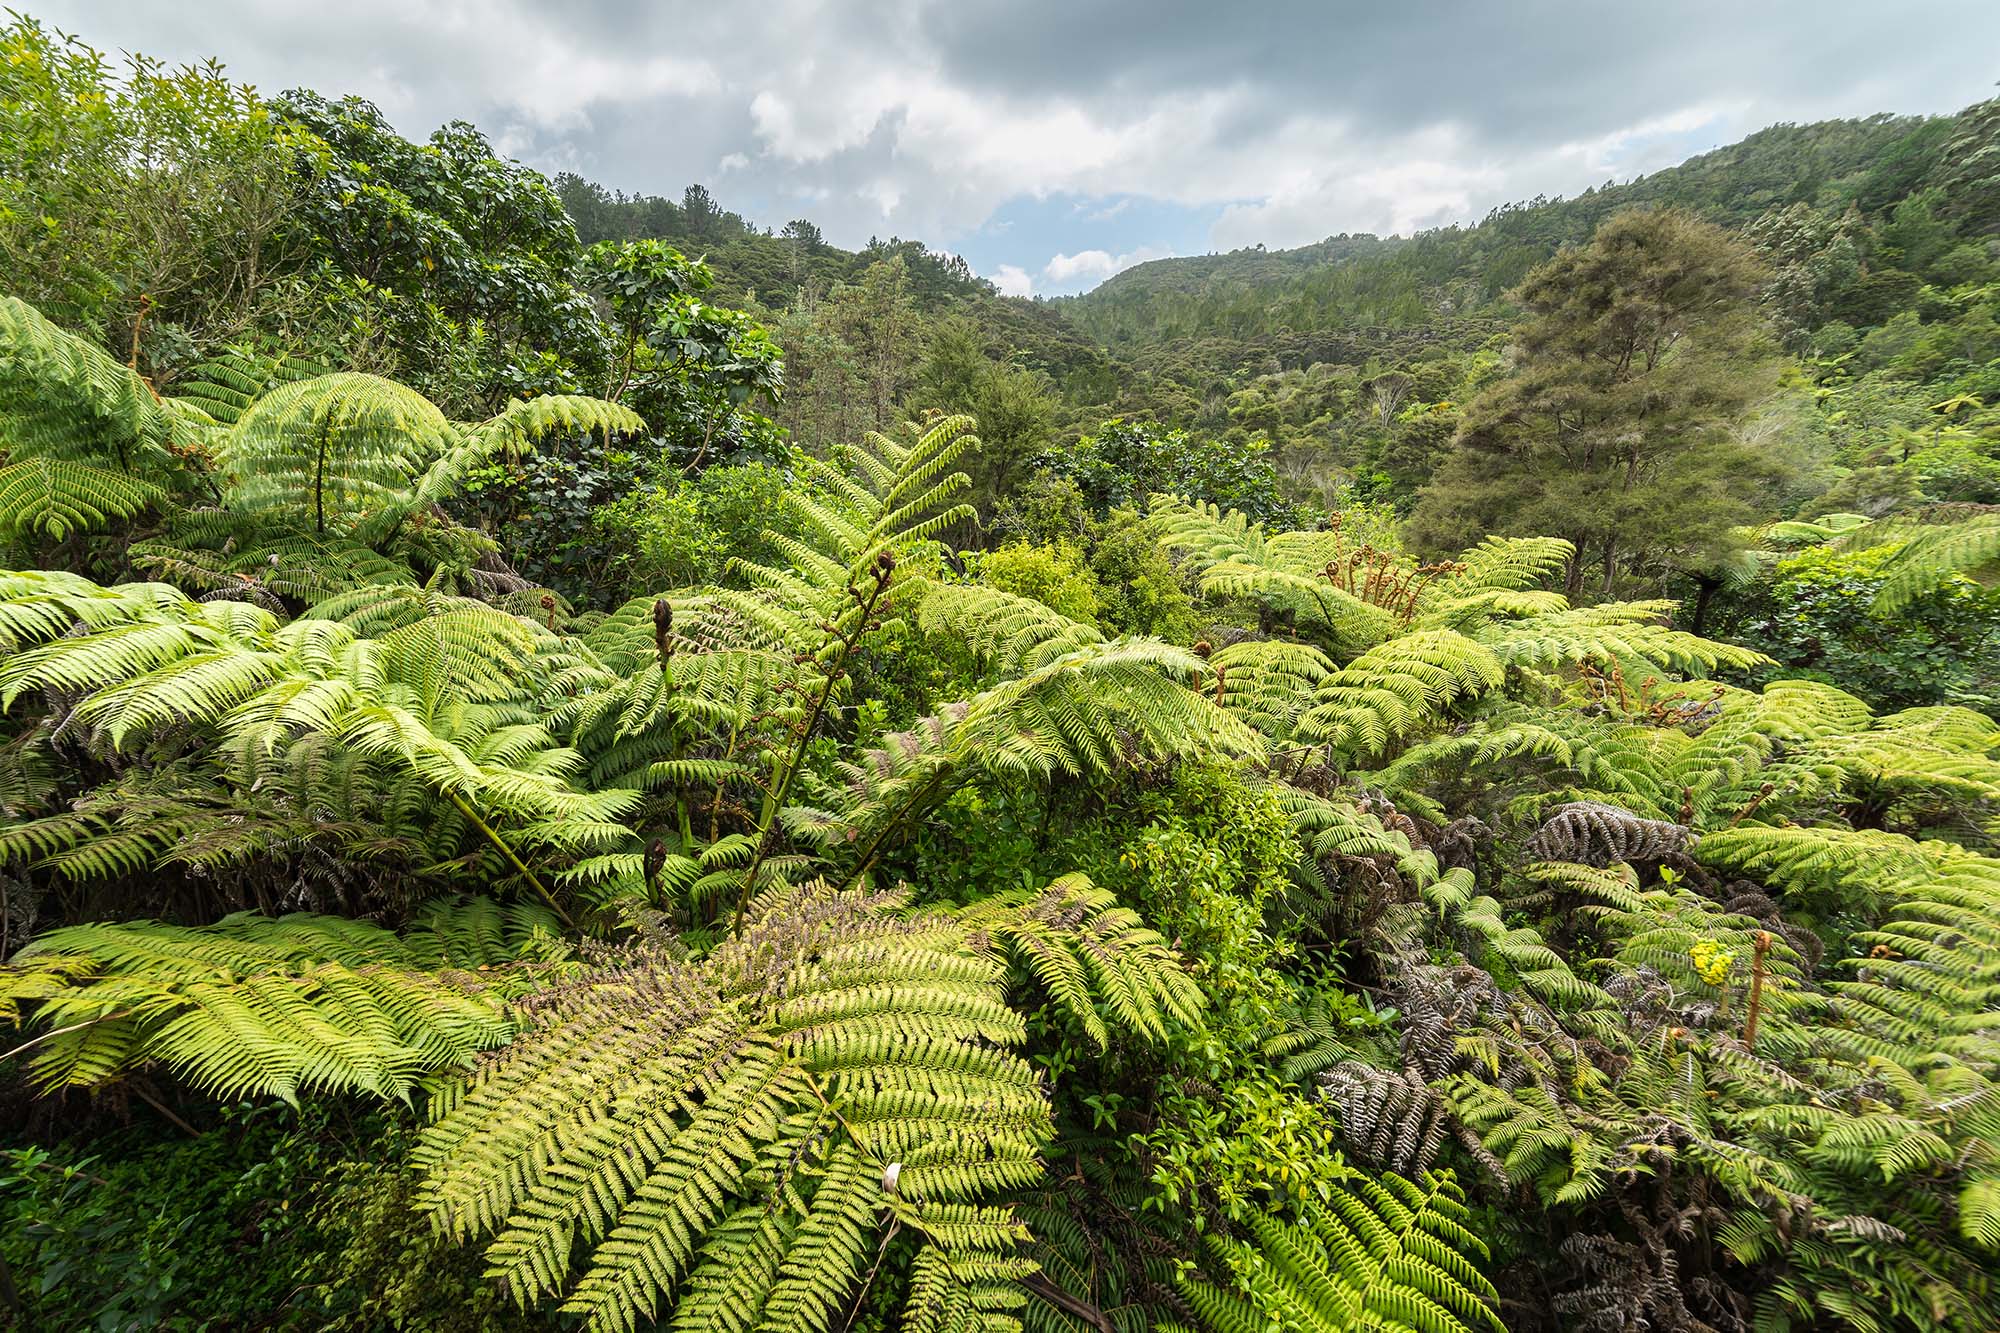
549 835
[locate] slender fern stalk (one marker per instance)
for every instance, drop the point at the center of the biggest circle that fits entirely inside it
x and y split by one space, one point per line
520 866
781 784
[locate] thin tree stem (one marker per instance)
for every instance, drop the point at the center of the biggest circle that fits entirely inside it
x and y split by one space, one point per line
164 1110
508 852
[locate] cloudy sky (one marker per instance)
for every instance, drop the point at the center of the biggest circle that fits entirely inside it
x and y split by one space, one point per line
1053 143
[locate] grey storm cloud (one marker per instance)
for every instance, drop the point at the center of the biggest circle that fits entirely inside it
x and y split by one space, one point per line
1286 120
1520 70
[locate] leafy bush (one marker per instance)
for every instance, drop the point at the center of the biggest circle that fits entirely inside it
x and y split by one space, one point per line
1140 591
273 1217
1818 618
1124 462
1054 575
680 532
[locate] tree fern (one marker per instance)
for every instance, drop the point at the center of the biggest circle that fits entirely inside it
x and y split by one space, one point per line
1630 634
447 695
885 497
333 448
63 396
1086 950
1933 554
215 554
1014 633
84 439
1270 683
1287 572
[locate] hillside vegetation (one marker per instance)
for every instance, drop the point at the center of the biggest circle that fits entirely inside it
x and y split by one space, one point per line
569 763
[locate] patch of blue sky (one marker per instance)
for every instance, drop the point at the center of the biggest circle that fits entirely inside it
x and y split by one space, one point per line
1063 243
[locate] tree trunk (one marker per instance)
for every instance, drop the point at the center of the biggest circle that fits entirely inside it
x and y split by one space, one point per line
1706 587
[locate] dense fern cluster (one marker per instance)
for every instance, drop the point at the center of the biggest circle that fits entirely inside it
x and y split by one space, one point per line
1438 936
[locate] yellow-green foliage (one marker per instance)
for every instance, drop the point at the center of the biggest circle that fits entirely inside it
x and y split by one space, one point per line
257 1006
1053 575
726 1138
1387 1254
1709 972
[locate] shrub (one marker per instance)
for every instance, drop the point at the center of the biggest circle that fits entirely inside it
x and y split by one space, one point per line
1052 574
1815 617
682 531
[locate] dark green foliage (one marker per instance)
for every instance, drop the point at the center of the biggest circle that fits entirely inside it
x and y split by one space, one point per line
141 1231
476 246
160 262
687 531
551 501
1014 406
681 360
1124 462
1353 282
270 1217
1617 426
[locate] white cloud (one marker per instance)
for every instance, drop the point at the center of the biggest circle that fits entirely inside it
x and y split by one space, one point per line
1637 149
1421 180
1086 268
1012 280
1065 269
556 83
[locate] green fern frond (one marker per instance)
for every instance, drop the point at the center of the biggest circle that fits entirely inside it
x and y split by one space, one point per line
1631 634
1390 1255
1090 953
227 385
1398 689
1270 683
256 1006
57 497
1017 633
732 1134
1934 555
62 397
515 432
1512 564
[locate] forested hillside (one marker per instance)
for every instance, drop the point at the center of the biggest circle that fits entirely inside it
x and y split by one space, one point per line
1348 282
568 762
